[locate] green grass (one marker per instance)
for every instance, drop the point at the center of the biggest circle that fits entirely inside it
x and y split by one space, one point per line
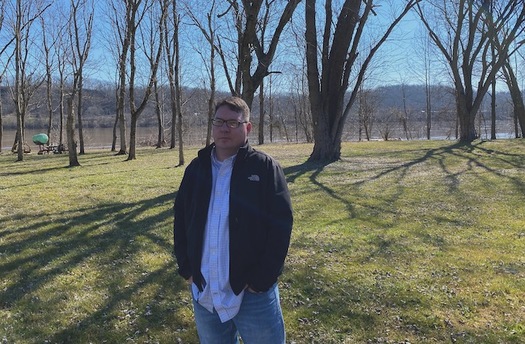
420 242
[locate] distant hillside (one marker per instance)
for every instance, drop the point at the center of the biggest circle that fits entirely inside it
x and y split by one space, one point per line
414 95
99 105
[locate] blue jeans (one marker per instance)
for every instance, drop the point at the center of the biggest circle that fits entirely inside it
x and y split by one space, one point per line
259 321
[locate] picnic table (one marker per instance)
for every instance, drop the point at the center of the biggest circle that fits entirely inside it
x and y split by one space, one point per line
42 141
55 149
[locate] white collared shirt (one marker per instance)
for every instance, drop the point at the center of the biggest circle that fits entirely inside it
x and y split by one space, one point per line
215 265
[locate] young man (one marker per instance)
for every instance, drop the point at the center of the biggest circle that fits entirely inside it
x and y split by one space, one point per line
233 221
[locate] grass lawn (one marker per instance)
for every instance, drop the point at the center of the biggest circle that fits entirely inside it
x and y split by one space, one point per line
420 242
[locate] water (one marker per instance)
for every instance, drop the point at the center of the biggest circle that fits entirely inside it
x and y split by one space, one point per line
101 138
94 138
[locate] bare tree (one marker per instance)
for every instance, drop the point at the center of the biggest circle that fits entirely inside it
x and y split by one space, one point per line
516 95
385 126
1 112
178 86
80 30
404 116
208 30
424 49
119 23
249 46
70 129
296 79
511 79
463 31
25 79
159 112
262 111
62 52
300 108
2 11
171 42
367 107
148 39
428 99
329 75
49 75
79 44
53 36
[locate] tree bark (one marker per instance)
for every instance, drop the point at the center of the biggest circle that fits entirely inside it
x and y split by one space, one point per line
516 95
328 85
262 113
158 112
70 132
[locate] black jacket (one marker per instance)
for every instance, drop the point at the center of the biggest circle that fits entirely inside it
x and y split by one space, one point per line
260 219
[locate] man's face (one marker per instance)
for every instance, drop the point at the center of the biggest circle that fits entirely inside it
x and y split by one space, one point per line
229 140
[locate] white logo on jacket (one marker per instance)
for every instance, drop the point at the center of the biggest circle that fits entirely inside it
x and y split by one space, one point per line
254 178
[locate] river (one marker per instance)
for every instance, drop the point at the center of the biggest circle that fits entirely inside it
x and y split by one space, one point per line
101 138
94 138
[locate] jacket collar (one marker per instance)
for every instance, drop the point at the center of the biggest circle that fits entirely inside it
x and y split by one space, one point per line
241 153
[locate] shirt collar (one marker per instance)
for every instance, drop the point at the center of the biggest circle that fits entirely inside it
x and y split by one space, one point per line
218 163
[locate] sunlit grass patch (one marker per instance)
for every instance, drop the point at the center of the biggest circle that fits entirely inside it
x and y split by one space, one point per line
398 241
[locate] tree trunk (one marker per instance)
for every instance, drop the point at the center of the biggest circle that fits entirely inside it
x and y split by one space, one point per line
173 127
114 138
467 120
61 102
339 50
493 111
211 112
19 137
325 150
158 111
70 132
49 98
178 87
61 129
428 104
180 132
122 128
327 147
262 113
79 110
1 123
132 138
516 95
121 90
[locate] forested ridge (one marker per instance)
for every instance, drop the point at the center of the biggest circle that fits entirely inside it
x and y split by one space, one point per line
100 105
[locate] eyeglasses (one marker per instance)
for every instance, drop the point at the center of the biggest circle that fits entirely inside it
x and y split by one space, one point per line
232 123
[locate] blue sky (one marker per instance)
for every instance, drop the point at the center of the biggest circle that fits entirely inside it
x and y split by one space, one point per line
398 61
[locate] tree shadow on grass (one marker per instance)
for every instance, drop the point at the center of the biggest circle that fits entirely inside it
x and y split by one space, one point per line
331 306
471 155
101 249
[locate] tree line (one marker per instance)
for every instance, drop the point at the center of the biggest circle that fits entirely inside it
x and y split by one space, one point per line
326 50
385 112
